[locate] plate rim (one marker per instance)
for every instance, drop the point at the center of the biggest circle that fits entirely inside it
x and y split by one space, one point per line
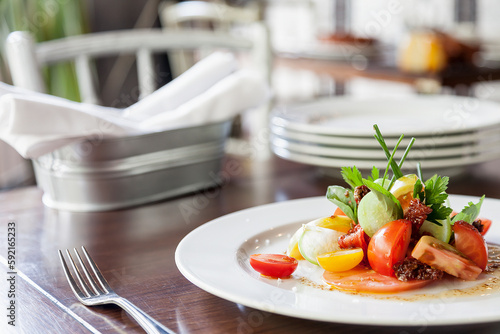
378 154
455 140
429 164
278 116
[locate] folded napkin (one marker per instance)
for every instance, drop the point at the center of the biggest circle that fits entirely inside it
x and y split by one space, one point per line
35 125
190 84
212 90
230 96
14 170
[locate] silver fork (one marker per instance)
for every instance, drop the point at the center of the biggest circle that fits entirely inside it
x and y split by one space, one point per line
95 290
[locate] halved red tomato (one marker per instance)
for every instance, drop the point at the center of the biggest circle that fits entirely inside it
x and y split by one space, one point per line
273 265
362 279
445 257
470 242
389 245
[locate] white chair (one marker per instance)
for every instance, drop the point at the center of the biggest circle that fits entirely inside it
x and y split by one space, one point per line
216 15
25 58
202 15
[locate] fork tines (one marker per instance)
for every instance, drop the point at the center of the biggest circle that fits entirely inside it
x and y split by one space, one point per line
93 289
89 284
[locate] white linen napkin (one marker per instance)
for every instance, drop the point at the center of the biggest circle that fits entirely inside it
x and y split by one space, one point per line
193 82
51 99
213 90
230 96
15 171
35 126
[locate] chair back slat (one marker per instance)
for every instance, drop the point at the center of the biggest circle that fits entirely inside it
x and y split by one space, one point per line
145 72
23 64
195 14
86 81
129 41
25 57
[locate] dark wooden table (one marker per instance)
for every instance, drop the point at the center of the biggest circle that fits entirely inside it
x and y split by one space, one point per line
135 249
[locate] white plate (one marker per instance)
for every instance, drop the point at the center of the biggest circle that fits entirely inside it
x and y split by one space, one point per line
328 51
215 258
427 164
431 116
485 135
378 154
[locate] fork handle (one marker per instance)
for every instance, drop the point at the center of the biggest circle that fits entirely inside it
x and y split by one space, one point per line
150 325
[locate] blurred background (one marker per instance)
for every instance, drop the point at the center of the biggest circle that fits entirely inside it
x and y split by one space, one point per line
295 27
320 48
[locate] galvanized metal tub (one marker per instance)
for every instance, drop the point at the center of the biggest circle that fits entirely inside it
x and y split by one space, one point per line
114 173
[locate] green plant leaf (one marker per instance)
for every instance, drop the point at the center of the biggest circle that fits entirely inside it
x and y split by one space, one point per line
418 190
352 176
375 174
433 194
435 189
394 166
344 199
469 213
439 212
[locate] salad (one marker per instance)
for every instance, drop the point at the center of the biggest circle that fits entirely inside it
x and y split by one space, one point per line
390 232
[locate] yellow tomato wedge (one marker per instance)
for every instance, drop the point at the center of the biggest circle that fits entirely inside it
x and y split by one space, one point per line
403 189
341 260
293 247
337 223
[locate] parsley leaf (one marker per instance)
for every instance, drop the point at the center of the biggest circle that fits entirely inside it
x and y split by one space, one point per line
435 189
375 174
433 194
417 190
438 213
352 176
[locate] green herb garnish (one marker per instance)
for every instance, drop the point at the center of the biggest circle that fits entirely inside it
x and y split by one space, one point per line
419 171
433 194
352 176
469 213
344 199
375 174
396 167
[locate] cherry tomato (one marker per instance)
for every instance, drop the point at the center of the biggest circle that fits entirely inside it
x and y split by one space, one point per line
486 225
366 280
389 246
486 222
341 260
470 242
273 265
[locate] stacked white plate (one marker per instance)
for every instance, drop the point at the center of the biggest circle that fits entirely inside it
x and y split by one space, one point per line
451 132
329 51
